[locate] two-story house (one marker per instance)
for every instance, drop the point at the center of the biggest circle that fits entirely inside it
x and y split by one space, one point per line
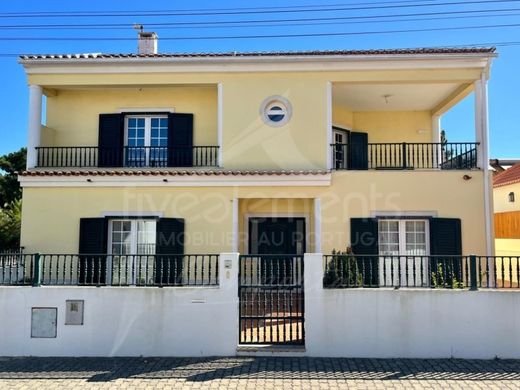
225 147
263 153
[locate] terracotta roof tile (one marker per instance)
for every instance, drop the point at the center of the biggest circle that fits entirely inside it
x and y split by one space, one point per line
509 176
375 52
169 172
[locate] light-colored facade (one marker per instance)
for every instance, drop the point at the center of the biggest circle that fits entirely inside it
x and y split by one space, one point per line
506 199
233 180
256 168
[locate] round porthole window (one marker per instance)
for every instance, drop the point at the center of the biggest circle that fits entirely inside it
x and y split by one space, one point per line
276 111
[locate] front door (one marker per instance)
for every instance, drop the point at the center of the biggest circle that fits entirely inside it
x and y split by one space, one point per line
277 236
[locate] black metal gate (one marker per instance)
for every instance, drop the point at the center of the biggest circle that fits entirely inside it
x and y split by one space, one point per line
271 294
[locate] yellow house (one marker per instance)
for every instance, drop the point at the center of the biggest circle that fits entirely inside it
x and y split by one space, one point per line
256 153
506 199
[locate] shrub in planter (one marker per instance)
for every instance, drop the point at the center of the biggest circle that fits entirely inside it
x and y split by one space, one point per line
342 270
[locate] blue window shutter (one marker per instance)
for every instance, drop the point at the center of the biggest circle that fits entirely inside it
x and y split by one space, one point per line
180 140
445 236
169 251
446 244
364 241
111 140
364 238
92 250
358 151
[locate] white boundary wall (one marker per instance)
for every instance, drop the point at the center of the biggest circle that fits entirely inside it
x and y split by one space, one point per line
128 321
408 323
203 321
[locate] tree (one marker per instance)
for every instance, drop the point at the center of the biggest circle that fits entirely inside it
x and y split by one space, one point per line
10 222
444 144
9 186
11 199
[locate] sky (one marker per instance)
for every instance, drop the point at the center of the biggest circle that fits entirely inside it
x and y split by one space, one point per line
208 19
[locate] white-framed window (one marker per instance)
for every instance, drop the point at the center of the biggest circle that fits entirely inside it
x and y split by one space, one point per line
129 243
276 111
146 140
403 247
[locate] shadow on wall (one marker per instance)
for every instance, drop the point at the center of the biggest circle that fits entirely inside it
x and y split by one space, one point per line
207 369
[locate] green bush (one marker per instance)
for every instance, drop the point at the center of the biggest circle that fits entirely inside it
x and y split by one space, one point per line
10 220
342 270
445 275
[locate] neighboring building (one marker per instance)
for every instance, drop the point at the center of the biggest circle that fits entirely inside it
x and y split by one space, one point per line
500 165
506 198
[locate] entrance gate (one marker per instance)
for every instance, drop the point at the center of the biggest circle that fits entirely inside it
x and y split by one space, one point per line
271 299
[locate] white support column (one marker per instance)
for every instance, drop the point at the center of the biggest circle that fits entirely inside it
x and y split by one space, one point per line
219 122
478 125
436 136
329 124
34 125
482 136
234 243
436 128
317 225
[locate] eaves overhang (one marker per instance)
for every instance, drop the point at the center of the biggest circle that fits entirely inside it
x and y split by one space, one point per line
226 62
172 178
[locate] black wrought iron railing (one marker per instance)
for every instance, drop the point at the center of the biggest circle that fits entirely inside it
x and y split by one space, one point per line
404 155
340 271
16 268
113 270
455 272
271 270
128 156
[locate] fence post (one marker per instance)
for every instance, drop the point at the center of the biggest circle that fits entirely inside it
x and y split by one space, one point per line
37 271
473 283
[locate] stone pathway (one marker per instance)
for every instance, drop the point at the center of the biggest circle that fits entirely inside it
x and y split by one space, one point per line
256 373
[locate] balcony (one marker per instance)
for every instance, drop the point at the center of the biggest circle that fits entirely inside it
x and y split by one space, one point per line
400 156
128 157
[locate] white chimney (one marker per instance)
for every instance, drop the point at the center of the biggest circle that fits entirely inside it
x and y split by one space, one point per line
147 43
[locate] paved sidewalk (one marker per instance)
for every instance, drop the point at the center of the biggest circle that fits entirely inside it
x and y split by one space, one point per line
255 373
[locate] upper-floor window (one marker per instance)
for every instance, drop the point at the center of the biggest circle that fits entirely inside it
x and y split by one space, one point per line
511 197
146 140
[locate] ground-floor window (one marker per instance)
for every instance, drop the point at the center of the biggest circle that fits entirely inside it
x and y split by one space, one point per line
403 245
129 243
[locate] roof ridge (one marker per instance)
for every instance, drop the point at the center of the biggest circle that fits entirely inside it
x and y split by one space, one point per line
423 50
509 176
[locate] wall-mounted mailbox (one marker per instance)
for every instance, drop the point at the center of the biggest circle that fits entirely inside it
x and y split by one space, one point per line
43 322
228 264
74 312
